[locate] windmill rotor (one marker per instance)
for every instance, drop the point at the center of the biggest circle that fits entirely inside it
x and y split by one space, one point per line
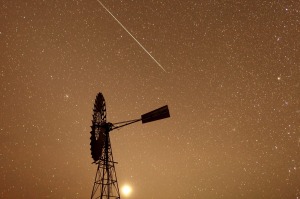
98 131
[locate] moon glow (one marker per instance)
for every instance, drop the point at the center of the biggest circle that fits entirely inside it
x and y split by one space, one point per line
126 190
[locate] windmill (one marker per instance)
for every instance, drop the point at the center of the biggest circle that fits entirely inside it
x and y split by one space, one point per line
106 184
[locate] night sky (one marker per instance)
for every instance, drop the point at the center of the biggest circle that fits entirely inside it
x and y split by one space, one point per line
232 84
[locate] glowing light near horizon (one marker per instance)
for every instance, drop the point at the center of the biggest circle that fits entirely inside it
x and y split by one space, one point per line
126 190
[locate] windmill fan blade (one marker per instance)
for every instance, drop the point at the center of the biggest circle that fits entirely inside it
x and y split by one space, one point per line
156 114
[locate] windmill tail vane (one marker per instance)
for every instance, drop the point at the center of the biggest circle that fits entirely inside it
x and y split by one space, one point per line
157 114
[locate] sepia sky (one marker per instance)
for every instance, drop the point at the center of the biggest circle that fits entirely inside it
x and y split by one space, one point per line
231 83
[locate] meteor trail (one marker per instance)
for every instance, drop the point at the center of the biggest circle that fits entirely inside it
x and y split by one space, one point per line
132 36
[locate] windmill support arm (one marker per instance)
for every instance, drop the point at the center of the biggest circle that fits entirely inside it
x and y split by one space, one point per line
122 124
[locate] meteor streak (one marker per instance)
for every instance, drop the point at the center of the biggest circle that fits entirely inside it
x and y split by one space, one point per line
132 36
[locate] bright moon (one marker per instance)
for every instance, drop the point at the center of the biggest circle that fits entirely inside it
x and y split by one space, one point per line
126 190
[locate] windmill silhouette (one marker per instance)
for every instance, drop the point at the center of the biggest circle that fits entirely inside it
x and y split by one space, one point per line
105 183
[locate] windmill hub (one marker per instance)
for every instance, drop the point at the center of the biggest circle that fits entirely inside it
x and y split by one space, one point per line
105 128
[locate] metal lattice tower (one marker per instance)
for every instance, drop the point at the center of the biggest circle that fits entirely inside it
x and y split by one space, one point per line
106 184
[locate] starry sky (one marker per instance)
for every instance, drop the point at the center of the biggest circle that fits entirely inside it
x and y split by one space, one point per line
231 83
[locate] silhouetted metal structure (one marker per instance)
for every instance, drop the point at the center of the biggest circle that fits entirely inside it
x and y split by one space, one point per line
106 184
